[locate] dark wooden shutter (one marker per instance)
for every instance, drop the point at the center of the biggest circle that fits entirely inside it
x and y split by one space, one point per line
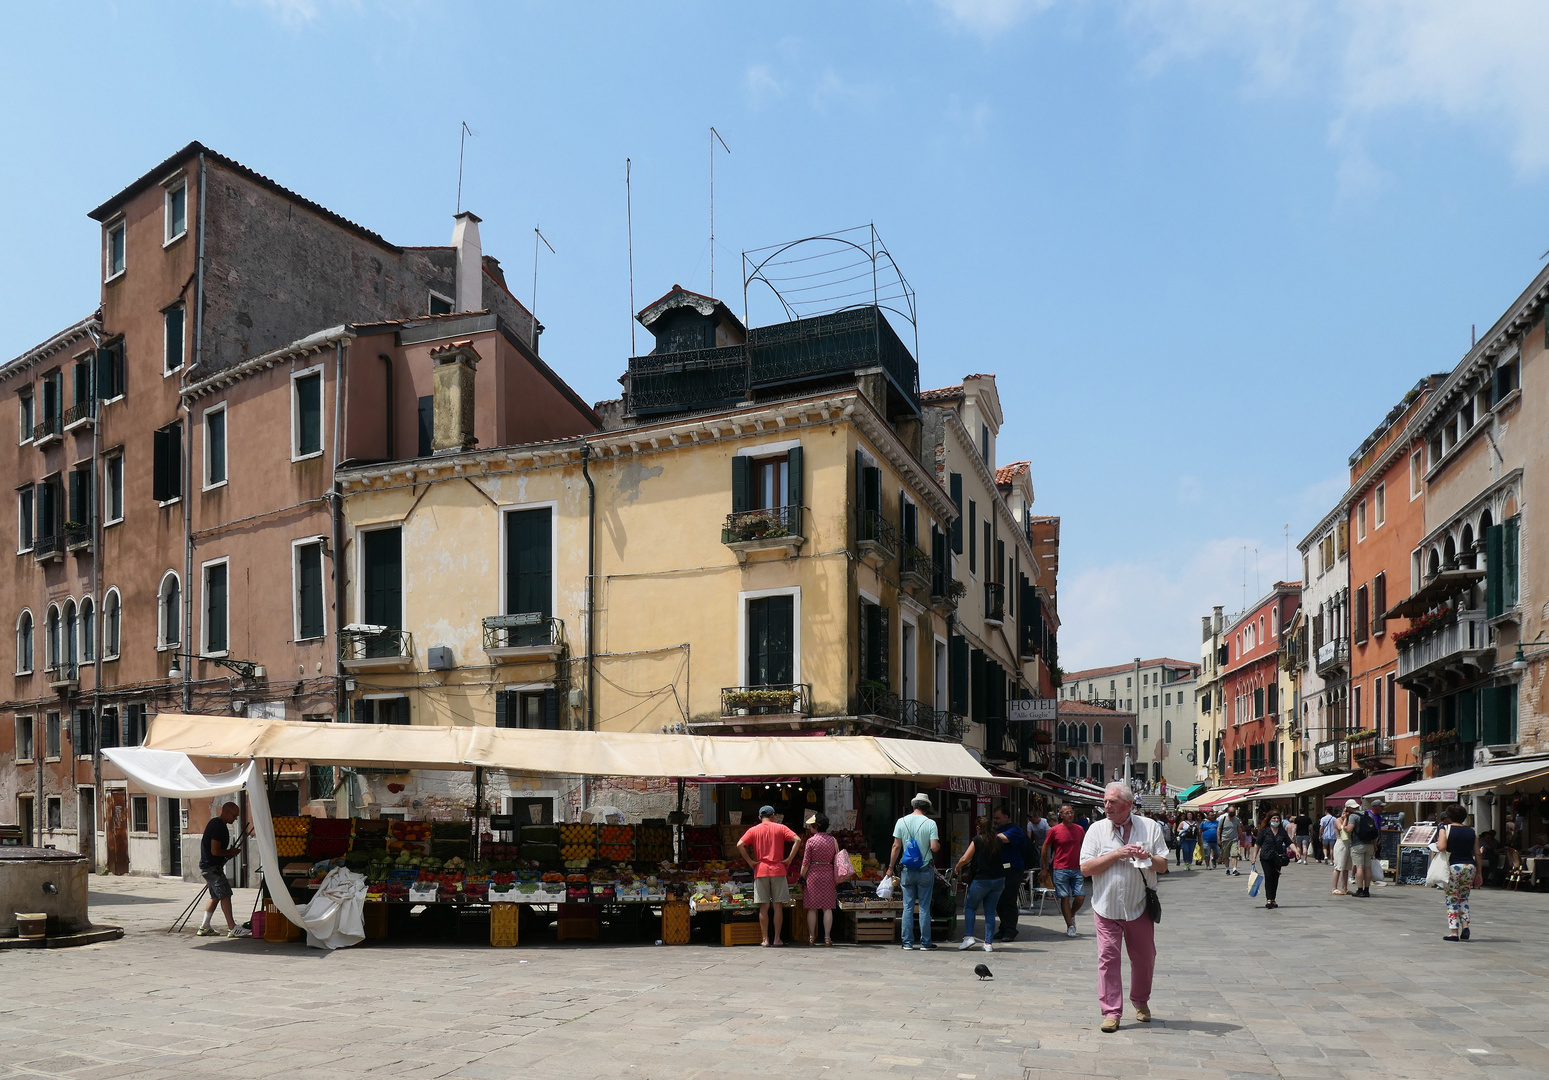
551 709
1509 563
796 491
215 612
741 484
884 645
1495 566
977 706
309 598
309 414
529 562
973 537
1274 697
360 708
1379 602
957 674
911 523
382 554
503 709
938 558
955 486
161 454
771 657
873 489
426 414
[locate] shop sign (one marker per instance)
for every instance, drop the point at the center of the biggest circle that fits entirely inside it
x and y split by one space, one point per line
1325 754
1038 708
986 788
1444 795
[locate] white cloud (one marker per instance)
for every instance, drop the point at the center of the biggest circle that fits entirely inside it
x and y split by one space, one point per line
990 17
291 12
761 83
1111 614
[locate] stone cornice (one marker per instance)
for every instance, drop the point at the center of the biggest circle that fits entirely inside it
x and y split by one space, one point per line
312 343
60 341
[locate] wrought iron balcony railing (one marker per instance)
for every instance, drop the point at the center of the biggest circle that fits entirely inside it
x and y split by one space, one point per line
782 699
46 547
772 523
692 379
916 566
527 630
874 529
46 428
77 537
1459 643
1333 655
994 602
826 345
875 700
81 410
374 643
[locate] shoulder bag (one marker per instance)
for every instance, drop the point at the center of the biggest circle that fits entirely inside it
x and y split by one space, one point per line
1440 870
1153 901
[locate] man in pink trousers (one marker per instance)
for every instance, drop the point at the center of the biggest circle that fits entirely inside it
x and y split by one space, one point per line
1122 854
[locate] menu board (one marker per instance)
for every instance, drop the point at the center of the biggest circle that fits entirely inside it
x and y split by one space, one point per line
1413 862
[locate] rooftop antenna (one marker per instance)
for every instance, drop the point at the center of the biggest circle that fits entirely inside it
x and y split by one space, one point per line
462 138
715 137
536 236
1258 584
1287 529
1245 577
629 218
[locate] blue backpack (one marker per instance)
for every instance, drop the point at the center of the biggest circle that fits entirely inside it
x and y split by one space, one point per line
912 858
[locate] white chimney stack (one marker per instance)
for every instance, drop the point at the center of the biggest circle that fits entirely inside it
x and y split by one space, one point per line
470 262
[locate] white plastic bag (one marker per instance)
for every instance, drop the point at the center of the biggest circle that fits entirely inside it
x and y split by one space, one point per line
885 888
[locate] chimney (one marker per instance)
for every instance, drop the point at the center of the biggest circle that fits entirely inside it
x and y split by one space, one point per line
453 371
1219 619
470 262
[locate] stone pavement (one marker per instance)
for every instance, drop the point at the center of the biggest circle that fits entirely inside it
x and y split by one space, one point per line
1323 987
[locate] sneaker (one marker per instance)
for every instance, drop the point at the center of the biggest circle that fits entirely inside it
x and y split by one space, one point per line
204 931
1070 931
907 947
239 931
928 946
968 943
988 947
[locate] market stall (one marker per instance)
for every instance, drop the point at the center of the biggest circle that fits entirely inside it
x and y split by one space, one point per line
486 878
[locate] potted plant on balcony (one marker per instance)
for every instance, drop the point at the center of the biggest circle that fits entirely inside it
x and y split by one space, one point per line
758 526
1435 740
1421 625
765 698
1357 736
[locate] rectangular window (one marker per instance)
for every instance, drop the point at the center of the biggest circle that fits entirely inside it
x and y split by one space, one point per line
175 212
1380 504
973 543
134 724
82 730
771 632
79 500
382 577
52 418
25 409
107 727
1392 705
1501 555
110 371
1505 380
215 446
216 613
167 463
139 813
529 584
172 338
1377 702
393 710
440 305
1379 603
113 250
24 498
1357 720
55 818
1416 473
50 507
309 590
24 738
307 414
531 709
1362 614
113 489
1360 521
427 425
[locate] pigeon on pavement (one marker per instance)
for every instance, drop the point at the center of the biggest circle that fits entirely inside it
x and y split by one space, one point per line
983 972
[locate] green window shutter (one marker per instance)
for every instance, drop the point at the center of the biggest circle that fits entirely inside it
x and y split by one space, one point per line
957 674
955 484
1468 716
796 490
741 484
309 598
362 710
1489 715
873 489
1494 545
503 708
973 539
1509 561
551 709
529 562
863 641
978 706
215 608
382 556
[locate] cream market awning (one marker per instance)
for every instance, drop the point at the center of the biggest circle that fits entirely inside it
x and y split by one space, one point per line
1301 787
564 753
1446 788
1220 796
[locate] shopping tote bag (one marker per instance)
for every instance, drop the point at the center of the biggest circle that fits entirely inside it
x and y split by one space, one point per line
1255 879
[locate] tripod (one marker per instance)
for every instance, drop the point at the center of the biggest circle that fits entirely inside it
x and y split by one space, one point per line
181 922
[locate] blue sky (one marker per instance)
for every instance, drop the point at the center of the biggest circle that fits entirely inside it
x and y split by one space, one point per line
1204 245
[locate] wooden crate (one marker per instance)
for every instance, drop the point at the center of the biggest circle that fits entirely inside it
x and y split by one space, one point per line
579 929
796 924
874 931
278 928
374 919
741 932
675 922
504 923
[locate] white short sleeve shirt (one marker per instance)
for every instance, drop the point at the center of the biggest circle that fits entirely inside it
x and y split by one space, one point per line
1119 891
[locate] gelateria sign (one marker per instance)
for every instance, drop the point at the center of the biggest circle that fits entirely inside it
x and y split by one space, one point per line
963 785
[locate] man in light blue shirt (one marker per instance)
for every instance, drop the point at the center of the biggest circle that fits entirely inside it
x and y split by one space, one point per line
918 881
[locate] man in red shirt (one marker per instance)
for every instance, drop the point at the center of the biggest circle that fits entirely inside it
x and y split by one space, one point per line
1063 872
770 887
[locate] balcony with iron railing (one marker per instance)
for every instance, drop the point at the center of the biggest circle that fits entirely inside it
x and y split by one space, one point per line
529 635
994 602
1457 645
691 379
876 538
80 413
916 569
375 648
50 546
773 528
1449 755
1333 655
47 430
63 675
783 699
945 592
77 536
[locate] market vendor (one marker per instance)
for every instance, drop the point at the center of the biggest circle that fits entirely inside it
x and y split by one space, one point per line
771 889
213 854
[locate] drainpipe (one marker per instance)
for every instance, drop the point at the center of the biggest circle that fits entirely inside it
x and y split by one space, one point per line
188 452
591 582
96 601
336 501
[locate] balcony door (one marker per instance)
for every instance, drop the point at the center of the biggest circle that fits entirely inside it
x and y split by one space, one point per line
382 587
771 641
529 585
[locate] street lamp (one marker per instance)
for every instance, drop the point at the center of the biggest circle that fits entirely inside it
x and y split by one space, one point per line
245 669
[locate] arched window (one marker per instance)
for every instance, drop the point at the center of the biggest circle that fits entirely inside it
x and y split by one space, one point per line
1070 768
1434 566
1097 733
1466 549
1081 768
112 617
1129 735
24 643
72 633
1059 733
51 646
169 611
1449 554
1083 734
1167 732
88 621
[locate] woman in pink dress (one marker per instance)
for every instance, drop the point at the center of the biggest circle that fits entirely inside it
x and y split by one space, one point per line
817 869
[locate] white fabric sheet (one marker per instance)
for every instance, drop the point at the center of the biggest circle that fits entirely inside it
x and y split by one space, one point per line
172 775
335 919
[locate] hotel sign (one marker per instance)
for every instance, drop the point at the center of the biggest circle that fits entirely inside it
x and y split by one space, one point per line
1032 709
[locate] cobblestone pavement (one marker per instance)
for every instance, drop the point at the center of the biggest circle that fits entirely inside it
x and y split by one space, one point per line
1323 987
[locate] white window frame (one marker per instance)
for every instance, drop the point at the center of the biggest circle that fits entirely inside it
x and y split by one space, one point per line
1360 520
295 412
295 587
204 611
511 508
168 372
28 400
109 461
32 728
908 672
204 427
120 226
116 595
742 630
32 653
86 642
32 518
360 567
173 186
431 294
1380 506
162 644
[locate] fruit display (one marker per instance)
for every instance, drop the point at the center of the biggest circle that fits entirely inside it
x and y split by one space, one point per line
704 842
290 836
497 851
653 843
577 844
617 843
